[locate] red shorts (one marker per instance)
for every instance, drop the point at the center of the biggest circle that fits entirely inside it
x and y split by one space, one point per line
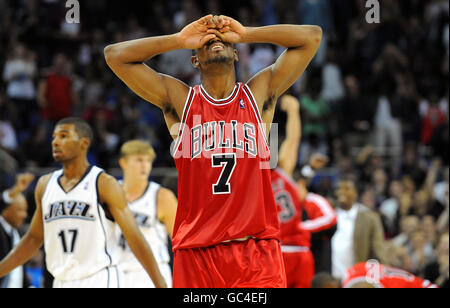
249 264
299 269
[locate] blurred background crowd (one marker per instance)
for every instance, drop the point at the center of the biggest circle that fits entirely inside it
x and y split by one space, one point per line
375 99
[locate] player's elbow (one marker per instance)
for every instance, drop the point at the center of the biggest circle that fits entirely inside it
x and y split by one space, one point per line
111 53
316 34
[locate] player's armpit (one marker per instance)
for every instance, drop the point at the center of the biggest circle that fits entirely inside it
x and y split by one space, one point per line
111 193
167 208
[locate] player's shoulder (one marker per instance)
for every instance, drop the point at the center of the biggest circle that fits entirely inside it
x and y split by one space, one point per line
44 179
164 193
43 182
105 179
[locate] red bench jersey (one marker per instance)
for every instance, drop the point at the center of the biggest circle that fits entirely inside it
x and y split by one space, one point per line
224 184
299 219
321 215
381 276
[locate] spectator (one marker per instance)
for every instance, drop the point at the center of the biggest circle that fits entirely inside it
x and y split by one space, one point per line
19 73
333 87
314 114
22 183
56 96
388 133
438 271
11 219
354 112
408 225
420 251
434 116
13 212
441 189
8 137
317 12
390 207
354 218
261 57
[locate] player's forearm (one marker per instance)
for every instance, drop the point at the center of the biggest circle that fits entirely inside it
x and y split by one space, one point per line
141 50
293 127
143 253
288 36
289 148
22 253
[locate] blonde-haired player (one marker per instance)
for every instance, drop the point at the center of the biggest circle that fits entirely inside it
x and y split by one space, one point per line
154 208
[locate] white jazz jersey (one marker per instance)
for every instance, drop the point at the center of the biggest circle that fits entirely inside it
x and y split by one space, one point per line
145 213
78 238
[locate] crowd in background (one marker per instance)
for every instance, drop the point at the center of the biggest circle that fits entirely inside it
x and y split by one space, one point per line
375 99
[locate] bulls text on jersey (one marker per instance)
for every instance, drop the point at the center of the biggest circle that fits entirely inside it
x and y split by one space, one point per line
213 135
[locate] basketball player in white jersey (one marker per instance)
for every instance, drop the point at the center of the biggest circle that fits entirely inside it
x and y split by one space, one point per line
154 208
75 210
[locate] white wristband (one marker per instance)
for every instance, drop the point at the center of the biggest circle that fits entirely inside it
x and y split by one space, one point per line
7 198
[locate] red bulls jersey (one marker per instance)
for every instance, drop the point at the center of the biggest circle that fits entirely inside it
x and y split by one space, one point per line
290 210
381 276
224 184
299 219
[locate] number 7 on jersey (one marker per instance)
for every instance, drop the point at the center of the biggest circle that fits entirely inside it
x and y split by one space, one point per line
228 163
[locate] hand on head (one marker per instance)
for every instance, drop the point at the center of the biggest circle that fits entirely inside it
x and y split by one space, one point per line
210 27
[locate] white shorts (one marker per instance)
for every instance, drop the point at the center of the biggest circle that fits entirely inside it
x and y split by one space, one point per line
141 280
109 277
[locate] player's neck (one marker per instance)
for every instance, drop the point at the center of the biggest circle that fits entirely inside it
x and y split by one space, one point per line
219 85
75 168
134 188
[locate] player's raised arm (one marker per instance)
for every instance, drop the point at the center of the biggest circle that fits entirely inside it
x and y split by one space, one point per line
302 43
34 238
127 59
112 194
287 158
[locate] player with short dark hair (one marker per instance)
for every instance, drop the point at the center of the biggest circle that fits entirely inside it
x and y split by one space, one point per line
76 211
226 205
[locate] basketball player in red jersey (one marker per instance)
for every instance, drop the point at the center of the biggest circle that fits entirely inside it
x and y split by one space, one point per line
374 275
300 213
226 231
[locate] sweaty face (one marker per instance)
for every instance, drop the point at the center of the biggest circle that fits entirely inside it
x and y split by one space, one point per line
137 166
66 144
215 52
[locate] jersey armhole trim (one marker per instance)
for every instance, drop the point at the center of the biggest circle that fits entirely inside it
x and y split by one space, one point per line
100 205
47 185
158 190
99 201
252 100
186 109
